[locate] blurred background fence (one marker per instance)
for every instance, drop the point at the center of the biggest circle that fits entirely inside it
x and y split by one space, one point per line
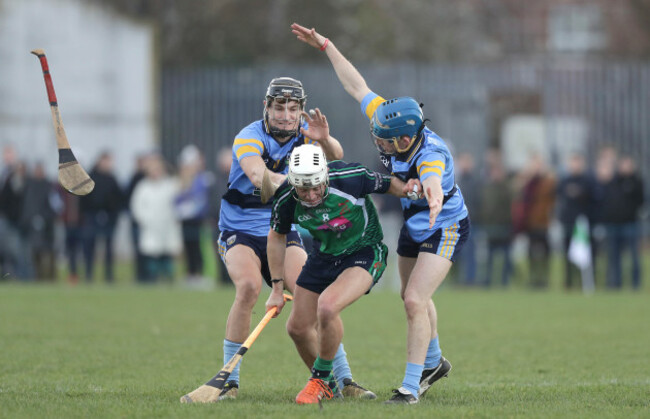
569 105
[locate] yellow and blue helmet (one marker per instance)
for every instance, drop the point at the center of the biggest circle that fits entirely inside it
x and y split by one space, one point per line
396 118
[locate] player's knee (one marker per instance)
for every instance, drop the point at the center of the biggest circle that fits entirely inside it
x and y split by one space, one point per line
327 310
297 330
414 304
247 293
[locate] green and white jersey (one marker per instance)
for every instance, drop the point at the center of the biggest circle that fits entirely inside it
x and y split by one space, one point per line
346 220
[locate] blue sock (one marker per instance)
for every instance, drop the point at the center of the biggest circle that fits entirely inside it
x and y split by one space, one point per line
433 354
412 378
229 350
341 367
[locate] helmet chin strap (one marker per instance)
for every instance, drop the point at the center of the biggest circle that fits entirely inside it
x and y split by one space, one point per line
414 144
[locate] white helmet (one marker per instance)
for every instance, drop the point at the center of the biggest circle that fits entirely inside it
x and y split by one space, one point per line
307 167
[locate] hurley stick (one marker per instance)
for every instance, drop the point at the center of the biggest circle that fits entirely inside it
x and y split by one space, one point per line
71 175
210 391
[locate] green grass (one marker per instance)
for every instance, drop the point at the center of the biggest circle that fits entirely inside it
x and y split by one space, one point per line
132 352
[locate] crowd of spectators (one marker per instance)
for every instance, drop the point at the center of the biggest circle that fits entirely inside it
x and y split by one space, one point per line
172 212
534 211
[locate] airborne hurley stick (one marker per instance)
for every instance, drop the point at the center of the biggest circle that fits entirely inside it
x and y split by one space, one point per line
71 175
210 391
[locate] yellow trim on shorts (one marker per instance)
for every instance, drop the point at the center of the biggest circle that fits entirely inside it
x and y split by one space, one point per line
449 244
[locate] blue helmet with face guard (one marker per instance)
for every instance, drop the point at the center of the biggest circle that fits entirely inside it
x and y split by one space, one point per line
396 118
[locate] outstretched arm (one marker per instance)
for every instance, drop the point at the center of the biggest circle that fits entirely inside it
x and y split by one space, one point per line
401 189
348 75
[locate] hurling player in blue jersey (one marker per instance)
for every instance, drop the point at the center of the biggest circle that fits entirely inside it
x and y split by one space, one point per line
244 220
436 226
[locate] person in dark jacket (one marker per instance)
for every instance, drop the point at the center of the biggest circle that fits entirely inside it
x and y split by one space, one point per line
100 210
623 202
575 196
41 206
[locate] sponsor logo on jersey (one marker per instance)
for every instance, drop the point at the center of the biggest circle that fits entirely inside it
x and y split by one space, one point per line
302 218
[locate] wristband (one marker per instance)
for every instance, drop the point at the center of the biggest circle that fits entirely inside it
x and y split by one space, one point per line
327 41
275 281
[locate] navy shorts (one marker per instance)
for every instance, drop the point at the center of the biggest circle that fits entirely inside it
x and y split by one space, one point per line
321 270
228 239
446 242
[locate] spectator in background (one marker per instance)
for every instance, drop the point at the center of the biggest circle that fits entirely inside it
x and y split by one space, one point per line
470 183
152 206
7 256
100 210
41 206
494 216
575 195
537 200
137 176
224 163
17 261
603 189
192 206
623 203
71 220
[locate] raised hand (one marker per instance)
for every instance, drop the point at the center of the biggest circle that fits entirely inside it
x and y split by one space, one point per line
308 36
319 129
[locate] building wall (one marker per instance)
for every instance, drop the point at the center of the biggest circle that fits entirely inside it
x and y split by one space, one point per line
104 72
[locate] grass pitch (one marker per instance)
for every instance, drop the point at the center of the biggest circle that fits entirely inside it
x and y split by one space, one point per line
133 352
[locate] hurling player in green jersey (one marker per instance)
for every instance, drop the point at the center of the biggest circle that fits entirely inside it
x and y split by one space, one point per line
332 202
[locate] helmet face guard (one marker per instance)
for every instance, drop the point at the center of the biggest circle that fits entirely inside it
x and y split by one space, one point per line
283 90
308 173
394 119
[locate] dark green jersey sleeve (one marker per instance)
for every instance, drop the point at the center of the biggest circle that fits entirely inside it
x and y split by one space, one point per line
356 179
282 212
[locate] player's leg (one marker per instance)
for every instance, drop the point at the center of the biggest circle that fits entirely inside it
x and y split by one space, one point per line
348 287
426 275
295 259
434 259
302 323
244 268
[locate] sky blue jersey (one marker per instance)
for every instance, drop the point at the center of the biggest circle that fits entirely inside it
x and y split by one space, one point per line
430 157
241 207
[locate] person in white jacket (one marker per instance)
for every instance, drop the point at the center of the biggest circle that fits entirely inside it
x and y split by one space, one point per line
152 205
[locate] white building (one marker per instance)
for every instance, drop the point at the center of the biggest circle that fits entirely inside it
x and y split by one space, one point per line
104 72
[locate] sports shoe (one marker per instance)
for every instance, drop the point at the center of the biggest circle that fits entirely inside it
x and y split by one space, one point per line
431 375
402 396
353 390
229 390
315 390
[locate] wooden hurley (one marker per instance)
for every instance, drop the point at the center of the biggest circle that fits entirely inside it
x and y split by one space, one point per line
72 176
